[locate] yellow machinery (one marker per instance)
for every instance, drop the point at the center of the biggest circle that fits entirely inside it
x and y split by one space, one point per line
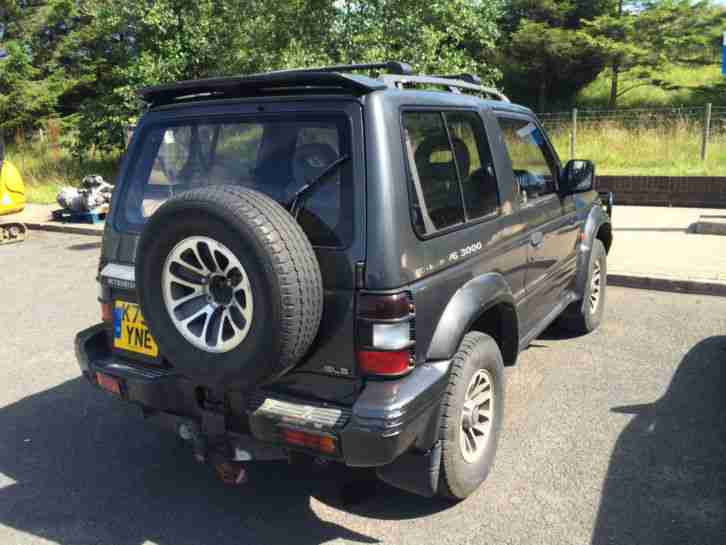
12 200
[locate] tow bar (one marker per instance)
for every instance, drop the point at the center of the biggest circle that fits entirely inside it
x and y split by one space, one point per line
227 454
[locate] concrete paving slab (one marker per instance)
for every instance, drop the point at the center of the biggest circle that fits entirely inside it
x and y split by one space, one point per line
711 224
658 248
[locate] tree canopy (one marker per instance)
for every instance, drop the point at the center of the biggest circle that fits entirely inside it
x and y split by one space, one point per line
639 39
82 60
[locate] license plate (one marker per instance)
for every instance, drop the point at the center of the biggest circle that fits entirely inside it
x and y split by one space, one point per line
130 331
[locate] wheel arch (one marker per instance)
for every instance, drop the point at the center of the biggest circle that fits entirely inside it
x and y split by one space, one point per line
597 227
605 235
485 303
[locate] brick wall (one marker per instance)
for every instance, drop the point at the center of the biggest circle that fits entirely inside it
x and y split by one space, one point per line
698 191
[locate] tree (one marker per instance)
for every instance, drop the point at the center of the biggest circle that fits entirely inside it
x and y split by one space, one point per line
90 57
639 39
546 55
121 46
436 37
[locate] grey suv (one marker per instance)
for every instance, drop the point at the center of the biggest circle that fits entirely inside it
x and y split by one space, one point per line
317 264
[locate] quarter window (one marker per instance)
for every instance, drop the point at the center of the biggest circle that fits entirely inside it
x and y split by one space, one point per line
474 161
437 196
534 175
451 174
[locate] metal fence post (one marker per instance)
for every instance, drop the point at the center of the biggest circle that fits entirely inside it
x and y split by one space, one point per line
706 132
573 140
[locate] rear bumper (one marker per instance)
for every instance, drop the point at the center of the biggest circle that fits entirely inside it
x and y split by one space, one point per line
388 419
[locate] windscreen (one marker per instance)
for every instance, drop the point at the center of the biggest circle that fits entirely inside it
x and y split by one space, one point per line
275 155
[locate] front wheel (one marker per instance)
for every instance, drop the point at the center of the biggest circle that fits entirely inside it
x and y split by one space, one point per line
472 416
585 315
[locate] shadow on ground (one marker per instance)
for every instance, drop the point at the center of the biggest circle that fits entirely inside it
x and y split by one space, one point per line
85 246
75 467
666 482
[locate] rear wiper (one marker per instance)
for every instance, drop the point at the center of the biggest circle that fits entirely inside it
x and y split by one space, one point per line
297 202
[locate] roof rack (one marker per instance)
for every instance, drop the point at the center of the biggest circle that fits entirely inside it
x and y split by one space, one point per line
323 79
453 83
468 78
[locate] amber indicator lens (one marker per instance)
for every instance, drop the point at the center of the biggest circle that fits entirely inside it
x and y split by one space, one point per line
322 443
109 383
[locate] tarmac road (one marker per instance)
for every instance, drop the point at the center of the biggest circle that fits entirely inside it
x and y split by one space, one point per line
618 437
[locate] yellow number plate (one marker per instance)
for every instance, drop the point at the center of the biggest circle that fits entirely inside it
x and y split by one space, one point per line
130 331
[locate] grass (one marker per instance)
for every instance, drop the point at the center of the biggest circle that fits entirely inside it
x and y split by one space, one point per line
45 169
687 79
671 149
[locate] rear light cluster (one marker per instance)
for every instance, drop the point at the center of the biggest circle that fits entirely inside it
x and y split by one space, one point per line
104 298
385 334
324 443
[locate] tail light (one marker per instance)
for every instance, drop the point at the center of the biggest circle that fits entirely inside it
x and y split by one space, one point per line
104 298
385 334
106 312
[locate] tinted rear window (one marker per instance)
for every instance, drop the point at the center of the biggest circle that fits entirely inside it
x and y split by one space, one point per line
276 156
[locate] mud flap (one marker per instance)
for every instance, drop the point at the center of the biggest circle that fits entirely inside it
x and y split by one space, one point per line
415 473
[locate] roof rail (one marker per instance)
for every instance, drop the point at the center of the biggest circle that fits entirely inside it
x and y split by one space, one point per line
453 83
468 78
392 67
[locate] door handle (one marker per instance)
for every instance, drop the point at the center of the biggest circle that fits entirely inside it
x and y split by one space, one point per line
537 239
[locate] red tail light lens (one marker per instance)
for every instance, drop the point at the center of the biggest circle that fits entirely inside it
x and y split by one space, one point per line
389 364
107 312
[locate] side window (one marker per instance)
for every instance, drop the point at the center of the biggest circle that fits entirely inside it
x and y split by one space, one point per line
474 160
437 201
534 176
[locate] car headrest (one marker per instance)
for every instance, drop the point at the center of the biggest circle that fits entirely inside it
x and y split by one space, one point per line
425 155
310 160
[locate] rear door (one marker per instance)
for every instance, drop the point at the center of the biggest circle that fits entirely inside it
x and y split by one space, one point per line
551 231
274 149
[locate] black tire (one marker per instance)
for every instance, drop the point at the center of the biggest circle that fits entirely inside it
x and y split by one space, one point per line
580 317
459 477
283 273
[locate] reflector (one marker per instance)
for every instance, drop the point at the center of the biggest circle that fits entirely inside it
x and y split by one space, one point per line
384 363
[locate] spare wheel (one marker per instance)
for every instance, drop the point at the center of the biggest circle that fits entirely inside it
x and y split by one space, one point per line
229 286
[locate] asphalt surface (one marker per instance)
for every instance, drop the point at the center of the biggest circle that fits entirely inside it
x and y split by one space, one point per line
618 437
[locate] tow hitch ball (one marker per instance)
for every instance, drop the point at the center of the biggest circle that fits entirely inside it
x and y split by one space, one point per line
229 471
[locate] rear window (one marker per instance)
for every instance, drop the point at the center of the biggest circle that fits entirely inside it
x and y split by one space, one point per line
276 156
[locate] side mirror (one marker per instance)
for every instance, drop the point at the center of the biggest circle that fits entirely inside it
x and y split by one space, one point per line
578 176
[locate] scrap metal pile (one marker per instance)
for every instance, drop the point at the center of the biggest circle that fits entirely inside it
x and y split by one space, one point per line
93 195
